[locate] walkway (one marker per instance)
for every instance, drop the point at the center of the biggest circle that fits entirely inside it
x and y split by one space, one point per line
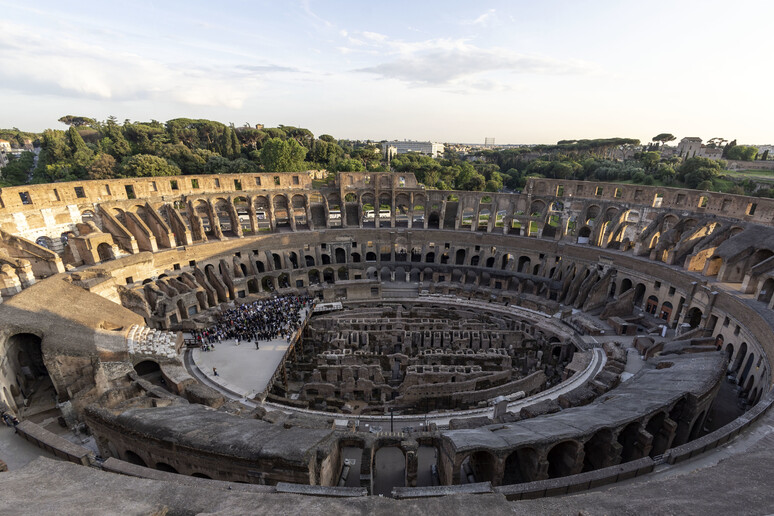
243 371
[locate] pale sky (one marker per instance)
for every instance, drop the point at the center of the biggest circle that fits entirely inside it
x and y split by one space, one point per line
448 71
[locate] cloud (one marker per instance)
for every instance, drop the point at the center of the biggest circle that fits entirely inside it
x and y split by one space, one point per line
483 19
51 63
264 69
442 62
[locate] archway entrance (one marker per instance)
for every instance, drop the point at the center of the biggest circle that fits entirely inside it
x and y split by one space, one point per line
33 384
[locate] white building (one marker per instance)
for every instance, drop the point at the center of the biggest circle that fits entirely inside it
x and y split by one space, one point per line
692 147
403 147
5 149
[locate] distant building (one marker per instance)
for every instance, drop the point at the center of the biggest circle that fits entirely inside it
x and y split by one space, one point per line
691 147
5 149
404 147
489 141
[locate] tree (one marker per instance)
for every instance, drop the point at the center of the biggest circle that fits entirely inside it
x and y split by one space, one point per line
282 156
103 167
650 159
77 121
350 165
146 165
17 169
742 153
765 155
664 138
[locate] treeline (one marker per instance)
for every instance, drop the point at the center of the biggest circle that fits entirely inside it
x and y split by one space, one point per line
90 149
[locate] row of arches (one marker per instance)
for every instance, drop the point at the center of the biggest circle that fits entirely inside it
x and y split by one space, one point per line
606 447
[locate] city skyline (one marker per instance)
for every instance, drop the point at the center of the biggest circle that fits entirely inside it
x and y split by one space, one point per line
448 72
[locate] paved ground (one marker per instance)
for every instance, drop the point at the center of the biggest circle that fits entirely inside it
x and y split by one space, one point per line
242 368
355 455
389 470
426 457
17 452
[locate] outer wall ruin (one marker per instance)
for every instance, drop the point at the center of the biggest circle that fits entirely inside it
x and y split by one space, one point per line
96 278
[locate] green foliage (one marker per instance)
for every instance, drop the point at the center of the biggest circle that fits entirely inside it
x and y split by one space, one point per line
18 138
146 165
104 166
77 121
742 153
15 172
350 165
664 138
282 155
650 159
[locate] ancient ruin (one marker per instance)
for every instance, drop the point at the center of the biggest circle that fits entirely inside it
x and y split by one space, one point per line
472 338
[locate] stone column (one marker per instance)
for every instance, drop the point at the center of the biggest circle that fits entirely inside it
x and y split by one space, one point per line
412 462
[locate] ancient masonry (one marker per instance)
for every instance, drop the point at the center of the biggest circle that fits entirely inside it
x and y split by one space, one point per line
454 306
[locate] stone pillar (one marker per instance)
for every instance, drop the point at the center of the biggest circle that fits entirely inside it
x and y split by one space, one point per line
308 209
236 224
412 462
253 219
214 220
270 213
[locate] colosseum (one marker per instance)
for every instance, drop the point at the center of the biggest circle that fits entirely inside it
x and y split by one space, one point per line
573 347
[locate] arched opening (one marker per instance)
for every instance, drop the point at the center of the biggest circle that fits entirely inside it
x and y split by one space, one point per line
267 283
696 429
105 252
747 367
660 439
283 281
626 284
44 241
370 256
328 276
600 451
482 466
666 311
343 274
389 470
314 277
147 367
34 382
521 466
639 294
740 356
651 306
629 441
693 317
133 458
341 255
767 289
584 234
524 264
459 257
281 211
163 466
563 459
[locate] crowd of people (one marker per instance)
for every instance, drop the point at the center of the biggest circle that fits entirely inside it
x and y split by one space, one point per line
266 319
